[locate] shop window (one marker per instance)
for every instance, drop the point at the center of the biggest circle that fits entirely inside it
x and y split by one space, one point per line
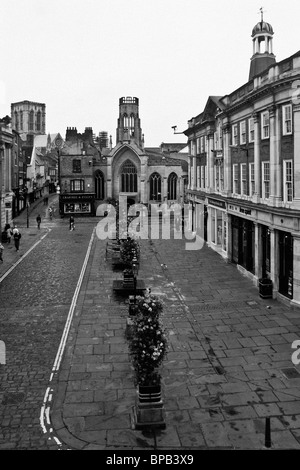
213 225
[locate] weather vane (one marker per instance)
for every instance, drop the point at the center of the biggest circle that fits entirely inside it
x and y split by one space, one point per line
261 11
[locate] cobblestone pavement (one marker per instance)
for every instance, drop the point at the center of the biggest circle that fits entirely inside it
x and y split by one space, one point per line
36 291
228 366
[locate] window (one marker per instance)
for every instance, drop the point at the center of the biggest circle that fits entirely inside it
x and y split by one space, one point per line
217 177
251 130
243 178
234 134
77 185
125 121
251 179
266 180
236 179
202 147
203 176
38 121
265 125
198 145
76 165
31 120
198 177
172 186
99 185
16 121
155 187
287 119
243 132
193 148
128 177
288 180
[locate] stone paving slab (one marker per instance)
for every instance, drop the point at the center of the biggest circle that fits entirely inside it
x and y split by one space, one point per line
222 376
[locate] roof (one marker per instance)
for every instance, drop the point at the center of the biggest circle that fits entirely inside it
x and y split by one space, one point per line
41 140
262 27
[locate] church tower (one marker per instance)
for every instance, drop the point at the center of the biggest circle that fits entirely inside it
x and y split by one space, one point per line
129 126
263 56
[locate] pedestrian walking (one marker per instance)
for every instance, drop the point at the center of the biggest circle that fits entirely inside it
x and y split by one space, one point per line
38 221
50 212
1 252
8 232
72 223
16 235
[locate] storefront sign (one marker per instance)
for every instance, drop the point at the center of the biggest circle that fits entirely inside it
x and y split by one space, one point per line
217 203
77 197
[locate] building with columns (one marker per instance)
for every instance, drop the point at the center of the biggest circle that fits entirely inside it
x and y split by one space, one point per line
244 170
90 175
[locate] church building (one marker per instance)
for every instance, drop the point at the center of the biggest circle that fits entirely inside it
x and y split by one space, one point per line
90 175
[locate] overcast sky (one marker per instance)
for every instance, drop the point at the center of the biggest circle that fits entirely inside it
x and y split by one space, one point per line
80 56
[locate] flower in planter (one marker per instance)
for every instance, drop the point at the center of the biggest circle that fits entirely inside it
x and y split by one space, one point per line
148 345
129 250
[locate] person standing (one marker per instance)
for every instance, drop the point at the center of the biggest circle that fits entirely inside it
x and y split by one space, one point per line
16 236
8 232
72 223
1 252
38 221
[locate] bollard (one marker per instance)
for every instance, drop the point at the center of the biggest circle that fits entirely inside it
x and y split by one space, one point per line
268 433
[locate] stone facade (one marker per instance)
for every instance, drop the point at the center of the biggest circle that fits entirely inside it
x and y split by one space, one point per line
244 176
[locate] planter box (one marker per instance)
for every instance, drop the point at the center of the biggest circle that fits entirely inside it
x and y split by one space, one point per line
149 413
265 288
149 393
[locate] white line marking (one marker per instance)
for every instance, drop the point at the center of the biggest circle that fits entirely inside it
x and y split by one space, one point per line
48 397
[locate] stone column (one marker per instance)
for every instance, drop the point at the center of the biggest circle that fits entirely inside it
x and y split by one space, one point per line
210 161
296 268
296 120
258 250
273 151
274 245
227 159
257 169
108 181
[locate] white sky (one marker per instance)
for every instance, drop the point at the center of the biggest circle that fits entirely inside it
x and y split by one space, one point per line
80 56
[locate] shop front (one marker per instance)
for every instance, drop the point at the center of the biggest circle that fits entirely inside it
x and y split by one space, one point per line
285 264
77 204
243 242
217 225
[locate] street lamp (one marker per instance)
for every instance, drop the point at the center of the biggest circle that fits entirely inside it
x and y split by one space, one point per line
135 273
27 206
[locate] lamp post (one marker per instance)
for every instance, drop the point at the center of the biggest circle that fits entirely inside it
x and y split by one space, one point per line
27 207
135 273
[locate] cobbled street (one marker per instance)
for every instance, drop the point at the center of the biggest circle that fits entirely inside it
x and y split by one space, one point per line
34 302
228 367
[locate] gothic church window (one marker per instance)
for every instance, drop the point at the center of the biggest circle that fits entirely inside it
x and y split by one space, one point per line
172 186
99 185
129 177
155 187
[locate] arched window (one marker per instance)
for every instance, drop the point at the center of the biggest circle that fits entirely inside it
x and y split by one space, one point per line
99 185
125 121
31 120
16 121
155 187
38 121
131 124
172 186
129 177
